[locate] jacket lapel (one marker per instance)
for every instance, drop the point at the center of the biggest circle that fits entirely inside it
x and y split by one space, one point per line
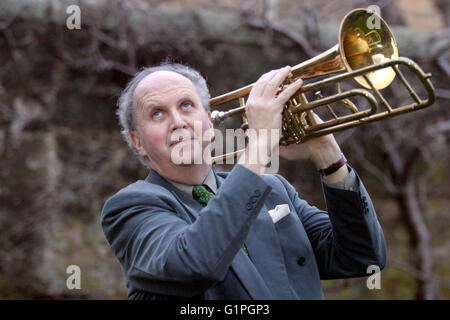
266 253
250 278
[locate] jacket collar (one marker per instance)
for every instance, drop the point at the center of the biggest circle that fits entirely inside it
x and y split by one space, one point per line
187 201
210 181
156 178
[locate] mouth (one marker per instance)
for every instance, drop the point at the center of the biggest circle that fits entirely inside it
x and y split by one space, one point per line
181 140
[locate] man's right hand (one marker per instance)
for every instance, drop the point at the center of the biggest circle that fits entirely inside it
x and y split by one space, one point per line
264 107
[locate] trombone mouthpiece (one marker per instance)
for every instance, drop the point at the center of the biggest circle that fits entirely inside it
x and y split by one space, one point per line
218 116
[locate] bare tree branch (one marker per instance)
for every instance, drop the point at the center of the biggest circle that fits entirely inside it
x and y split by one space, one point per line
289 33
391 151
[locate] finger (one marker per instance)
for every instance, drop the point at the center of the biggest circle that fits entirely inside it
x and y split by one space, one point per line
275 82
266 78
258 87
291 89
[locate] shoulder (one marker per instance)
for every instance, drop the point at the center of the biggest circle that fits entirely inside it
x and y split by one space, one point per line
139 193
138 189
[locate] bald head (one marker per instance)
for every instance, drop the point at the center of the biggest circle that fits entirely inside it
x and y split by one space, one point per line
154 87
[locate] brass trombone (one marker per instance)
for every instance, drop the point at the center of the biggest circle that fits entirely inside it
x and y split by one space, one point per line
369 56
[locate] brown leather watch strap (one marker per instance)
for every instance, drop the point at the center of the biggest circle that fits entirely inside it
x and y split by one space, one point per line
334 167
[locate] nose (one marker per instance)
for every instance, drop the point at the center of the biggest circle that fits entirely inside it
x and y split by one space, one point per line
177 121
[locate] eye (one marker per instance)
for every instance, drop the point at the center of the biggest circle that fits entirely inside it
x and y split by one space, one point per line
156 114
187 105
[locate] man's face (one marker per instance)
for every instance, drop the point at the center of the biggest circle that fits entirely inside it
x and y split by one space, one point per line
170 121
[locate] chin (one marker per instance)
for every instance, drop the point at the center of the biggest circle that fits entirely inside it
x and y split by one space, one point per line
188 161
185 165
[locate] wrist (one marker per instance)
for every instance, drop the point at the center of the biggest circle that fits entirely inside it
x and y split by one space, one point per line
255 157
337 176
262 146
334 166
325 155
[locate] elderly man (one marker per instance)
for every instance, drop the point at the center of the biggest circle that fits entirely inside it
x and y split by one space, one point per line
188 232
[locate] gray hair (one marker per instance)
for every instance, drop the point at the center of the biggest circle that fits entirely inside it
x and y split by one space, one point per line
126 104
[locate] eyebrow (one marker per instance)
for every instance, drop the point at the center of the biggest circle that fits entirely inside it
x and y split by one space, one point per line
153 106
148 106
183 98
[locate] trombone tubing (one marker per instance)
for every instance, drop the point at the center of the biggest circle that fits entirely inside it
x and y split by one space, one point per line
341 77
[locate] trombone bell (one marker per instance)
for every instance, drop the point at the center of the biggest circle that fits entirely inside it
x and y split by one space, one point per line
363 46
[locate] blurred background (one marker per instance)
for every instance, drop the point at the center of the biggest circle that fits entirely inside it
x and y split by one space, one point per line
62 156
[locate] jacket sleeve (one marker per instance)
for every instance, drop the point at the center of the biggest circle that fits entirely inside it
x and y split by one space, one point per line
162 253
346 239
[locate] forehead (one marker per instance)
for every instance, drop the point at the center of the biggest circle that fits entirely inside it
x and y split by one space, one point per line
160 83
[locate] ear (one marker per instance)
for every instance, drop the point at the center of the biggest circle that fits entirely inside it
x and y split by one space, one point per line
211 124
135 138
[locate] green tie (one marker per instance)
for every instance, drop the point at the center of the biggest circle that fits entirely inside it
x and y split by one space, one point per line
202 194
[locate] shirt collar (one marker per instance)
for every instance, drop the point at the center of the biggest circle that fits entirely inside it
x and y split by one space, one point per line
210 181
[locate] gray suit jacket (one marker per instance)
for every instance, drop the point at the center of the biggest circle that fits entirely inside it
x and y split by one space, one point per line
169 246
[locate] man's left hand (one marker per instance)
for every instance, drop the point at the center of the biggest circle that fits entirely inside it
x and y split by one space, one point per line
322 151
